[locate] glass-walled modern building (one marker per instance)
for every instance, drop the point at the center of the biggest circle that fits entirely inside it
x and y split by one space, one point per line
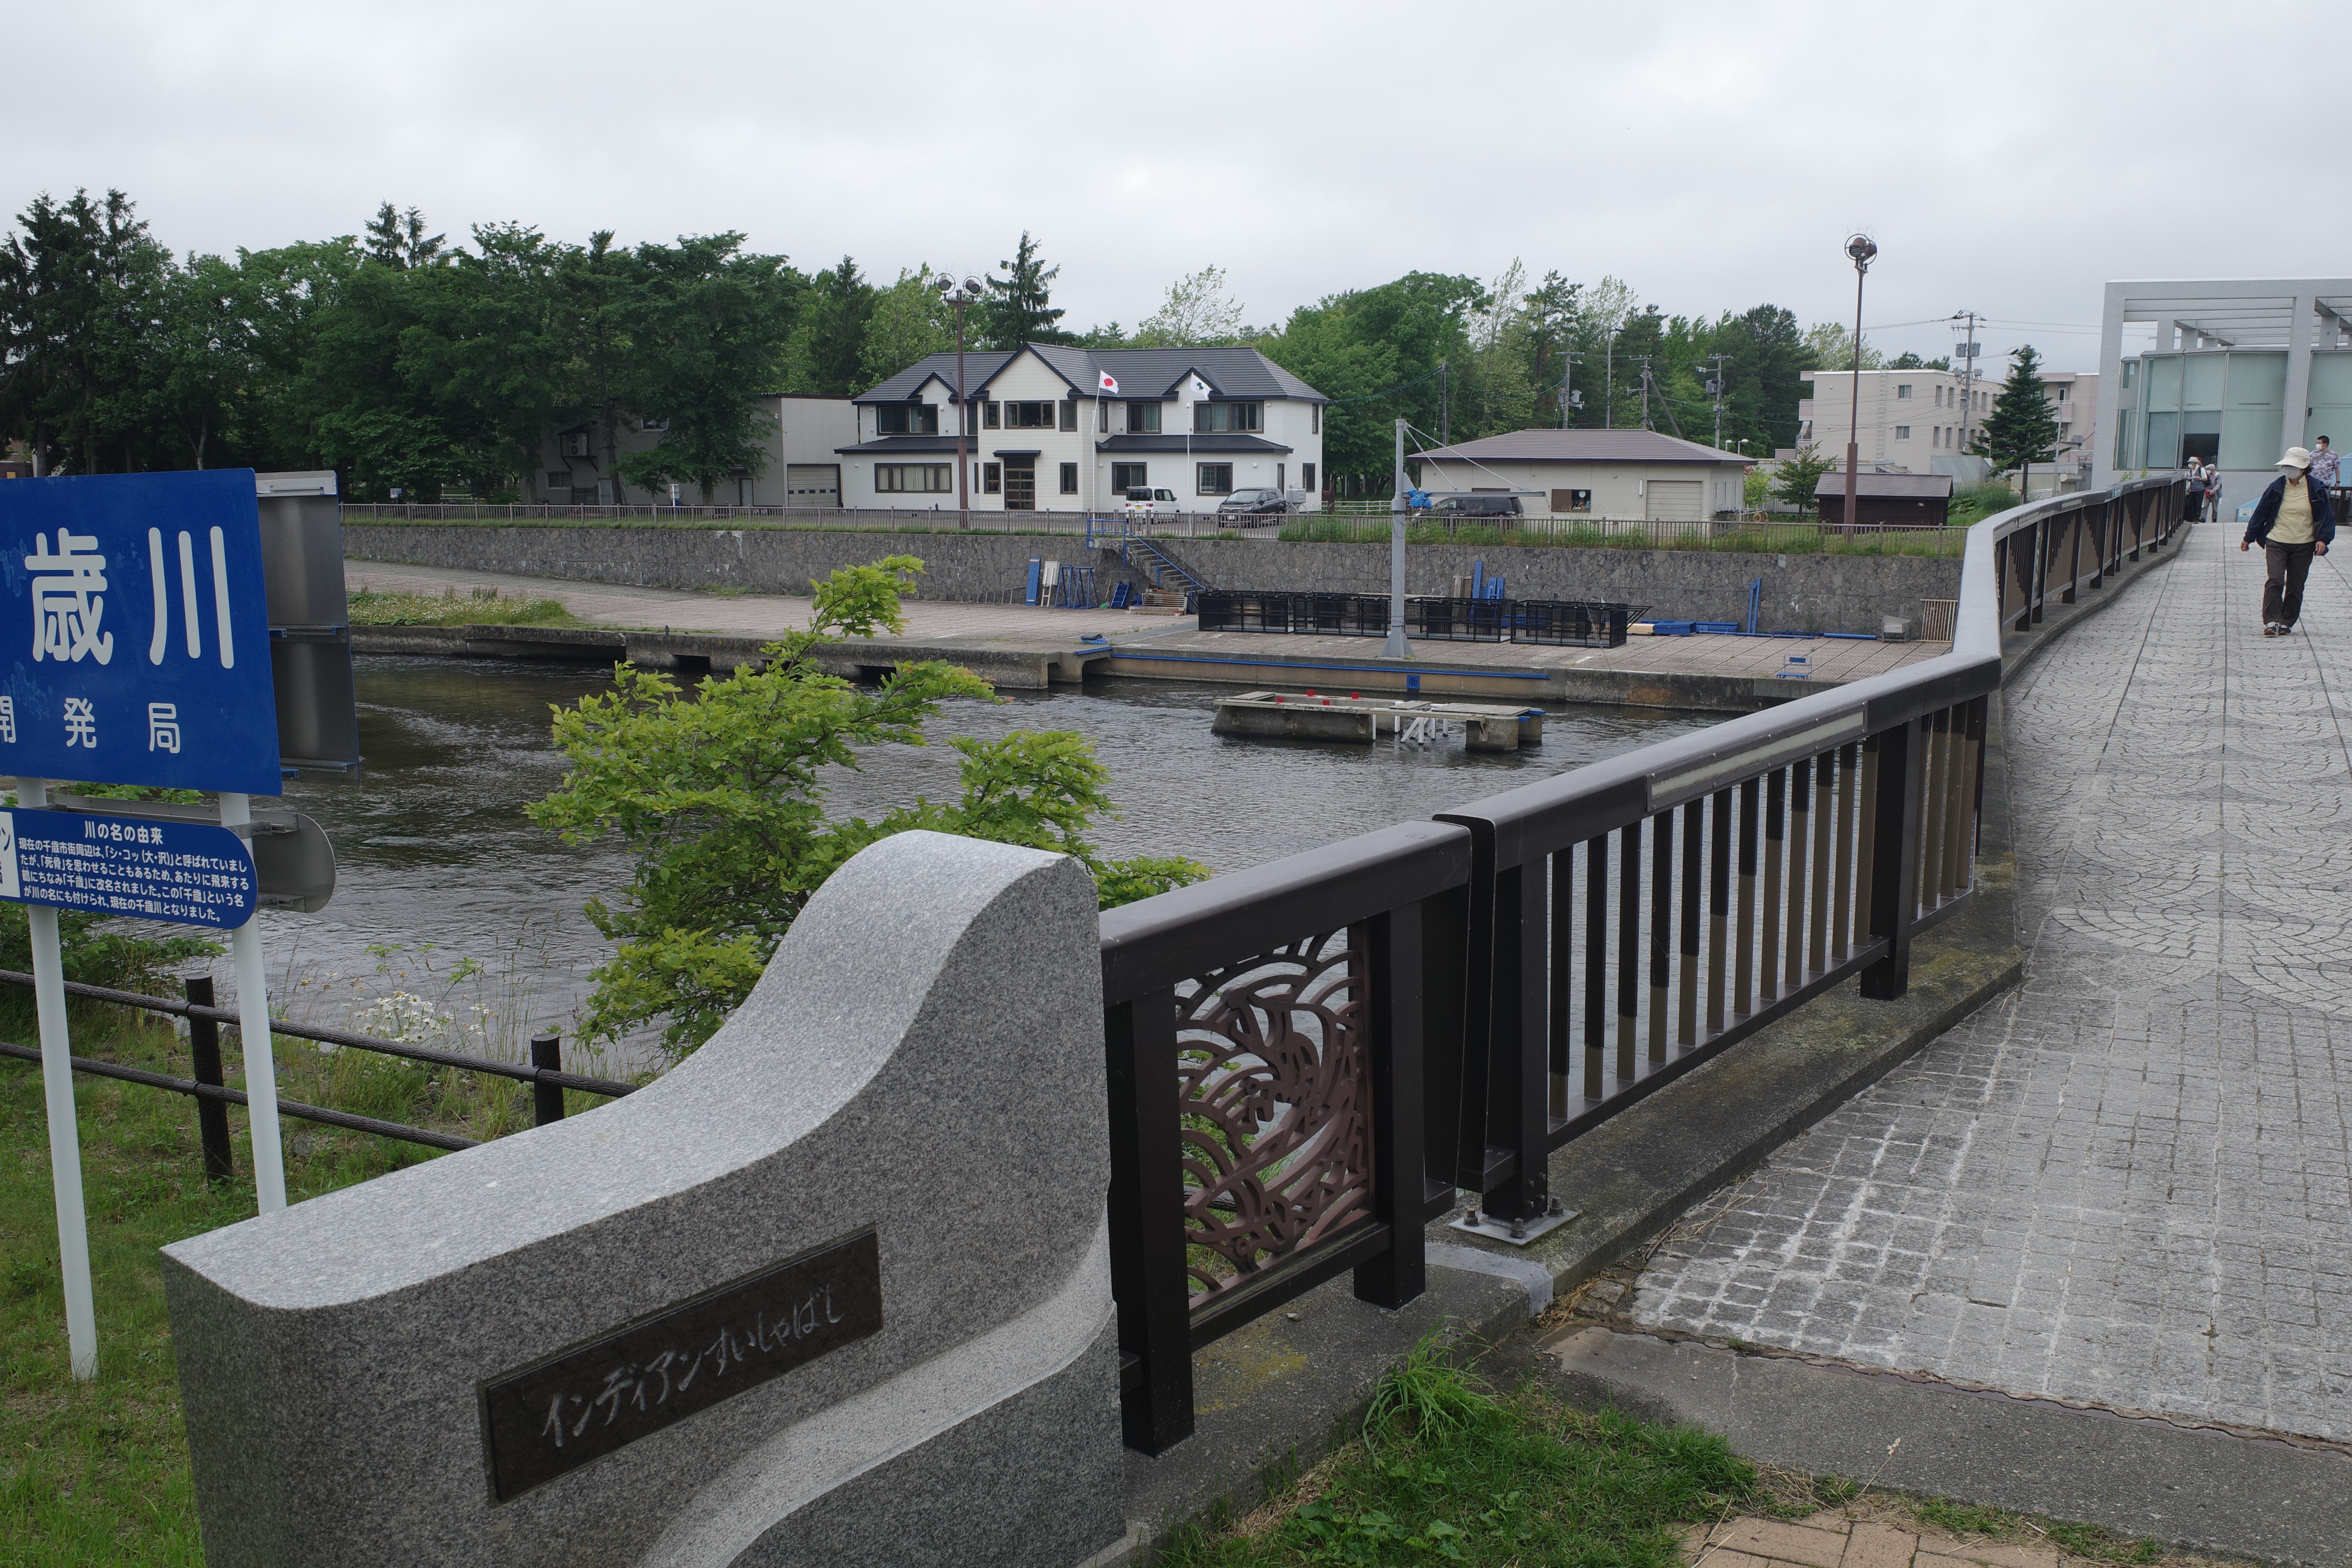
2241 370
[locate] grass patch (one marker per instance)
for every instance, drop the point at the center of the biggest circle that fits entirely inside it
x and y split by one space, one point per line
98 1473
478 607
1449 1470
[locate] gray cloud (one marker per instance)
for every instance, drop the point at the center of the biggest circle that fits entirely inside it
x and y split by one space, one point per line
2011 157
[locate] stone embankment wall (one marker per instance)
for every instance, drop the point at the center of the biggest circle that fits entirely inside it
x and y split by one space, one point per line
1801 592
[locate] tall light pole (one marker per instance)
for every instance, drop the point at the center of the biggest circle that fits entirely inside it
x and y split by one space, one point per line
1864 250
1397 646
960 297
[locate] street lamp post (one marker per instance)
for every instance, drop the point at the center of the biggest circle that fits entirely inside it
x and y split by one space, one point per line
1862 248
960 297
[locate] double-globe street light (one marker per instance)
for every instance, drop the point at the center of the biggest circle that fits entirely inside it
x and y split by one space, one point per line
960 297
1864 250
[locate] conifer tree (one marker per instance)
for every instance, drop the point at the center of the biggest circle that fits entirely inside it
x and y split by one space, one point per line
2019 430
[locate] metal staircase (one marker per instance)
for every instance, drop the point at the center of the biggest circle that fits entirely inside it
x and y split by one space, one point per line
1144 554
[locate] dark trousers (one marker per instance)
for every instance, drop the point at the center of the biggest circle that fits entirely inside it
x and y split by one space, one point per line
2288 564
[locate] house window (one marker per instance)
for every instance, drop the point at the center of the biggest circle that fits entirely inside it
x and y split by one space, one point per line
1903 432
906 478
2061 392
1027 416
1125 477
2131 378
1102 415
907 419
1069 479
1213 480
1314 422
1571 500
988 417
1306 478
1069 413
1143 419
1213 418
992 476
1903 389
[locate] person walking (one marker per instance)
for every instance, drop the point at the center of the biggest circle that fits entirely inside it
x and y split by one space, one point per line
2322 464
2293 522
2193 502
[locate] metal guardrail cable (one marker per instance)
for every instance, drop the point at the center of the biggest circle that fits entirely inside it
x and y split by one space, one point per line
190 1087
522 1071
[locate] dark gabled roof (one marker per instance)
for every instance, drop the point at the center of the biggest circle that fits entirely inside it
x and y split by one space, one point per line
979 364
1903 487
1552 445
1176 445
1143 374
910 444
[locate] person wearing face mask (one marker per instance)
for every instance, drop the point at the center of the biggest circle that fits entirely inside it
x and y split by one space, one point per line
2293 522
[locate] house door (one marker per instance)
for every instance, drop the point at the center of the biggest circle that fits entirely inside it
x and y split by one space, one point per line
1672 501
1021 485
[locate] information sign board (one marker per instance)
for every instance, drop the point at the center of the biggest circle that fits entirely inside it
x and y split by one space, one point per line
136 631
191 873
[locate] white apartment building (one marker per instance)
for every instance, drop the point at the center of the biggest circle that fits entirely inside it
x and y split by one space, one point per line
576 468
1051 427
1921 421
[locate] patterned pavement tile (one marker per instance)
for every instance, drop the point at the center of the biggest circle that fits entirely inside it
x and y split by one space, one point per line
2131 1180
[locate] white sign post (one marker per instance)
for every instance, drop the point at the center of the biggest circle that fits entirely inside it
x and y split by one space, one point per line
134 614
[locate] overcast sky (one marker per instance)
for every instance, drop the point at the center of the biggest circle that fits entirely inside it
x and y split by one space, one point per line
2007 157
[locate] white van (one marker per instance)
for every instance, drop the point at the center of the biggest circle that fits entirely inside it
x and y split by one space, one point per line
1144 501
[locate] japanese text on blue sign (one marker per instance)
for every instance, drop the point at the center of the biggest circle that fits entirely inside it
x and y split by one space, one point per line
138 631
190 873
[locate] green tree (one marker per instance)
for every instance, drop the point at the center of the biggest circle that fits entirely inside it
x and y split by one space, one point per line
1799 475
712 330
1908 360
398 239
2018 431
1831 345
717 795
909 322
203 356
830 347
1018 306
1196 311
1375 352
82 296
600 296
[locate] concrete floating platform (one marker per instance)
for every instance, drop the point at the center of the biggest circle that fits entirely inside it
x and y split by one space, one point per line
1313 716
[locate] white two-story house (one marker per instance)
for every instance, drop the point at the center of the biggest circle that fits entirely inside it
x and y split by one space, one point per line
1054 428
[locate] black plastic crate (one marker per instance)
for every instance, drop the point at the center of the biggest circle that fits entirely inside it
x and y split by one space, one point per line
1573 623
1457 620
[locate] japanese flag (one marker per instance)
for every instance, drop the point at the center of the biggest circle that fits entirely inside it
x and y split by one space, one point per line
1108 383
1200 387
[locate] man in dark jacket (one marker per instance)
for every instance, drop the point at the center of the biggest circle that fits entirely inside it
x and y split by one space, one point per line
2292 522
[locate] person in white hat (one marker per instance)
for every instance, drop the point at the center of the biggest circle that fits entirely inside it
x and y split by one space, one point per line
2292 522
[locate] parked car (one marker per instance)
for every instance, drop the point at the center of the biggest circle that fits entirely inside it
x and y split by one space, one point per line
1143 502
1454 507
1254 502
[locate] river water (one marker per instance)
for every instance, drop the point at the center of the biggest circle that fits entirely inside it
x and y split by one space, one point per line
446 892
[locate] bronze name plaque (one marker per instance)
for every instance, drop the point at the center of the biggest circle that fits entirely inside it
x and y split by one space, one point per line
582 1404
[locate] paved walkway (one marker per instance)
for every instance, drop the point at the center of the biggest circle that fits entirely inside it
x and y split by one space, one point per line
747 615
1842 1539
2126 1183
605 603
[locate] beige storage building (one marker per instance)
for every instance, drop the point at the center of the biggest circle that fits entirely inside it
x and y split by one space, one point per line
1575 475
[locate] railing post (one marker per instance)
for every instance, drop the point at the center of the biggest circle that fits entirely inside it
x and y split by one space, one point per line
1147 1220
1392 961
1895 858
204 1048
546 1099
1519 1061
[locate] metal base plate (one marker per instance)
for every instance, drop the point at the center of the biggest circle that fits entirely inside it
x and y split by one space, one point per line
1478 1221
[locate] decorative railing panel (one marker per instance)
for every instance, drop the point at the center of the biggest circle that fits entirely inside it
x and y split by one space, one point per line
1274 1093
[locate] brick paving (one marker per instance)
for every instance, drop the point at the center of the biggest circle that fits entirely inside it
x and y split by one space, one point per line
2127 1182
1838 1540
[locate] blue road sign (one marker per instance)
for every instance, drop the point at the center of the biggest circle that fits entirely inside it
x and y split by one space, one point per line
137 633
189 872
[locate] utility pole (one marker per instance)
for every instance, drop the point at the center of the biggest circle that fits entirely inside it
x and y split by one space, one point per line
1862 249
1397 646
1608 383
1643 361
1567 372
960 297
1716 386
1968 357
1444 404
